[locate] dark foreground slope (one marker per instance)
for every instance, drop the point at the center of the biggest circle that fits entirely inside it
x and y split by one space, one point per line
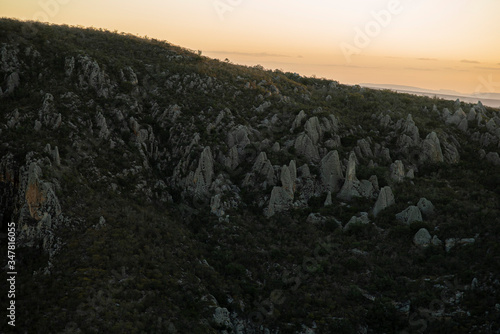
155 190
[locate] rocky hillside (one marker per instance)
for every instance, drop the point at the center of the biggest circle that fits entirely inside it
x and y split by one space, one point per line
155 190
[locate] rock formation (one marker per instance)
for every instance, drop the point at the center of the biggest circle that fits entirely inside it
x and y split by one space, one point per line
431 148
331 172
384 200
409 215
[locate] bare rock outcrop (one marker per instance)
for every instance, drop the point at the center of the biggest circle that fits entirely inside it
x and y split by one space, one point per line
238 137
362 219
304 146
450 153
204 173
287 181
409 215
313 129
298 120
363 149
471 116
232 160
456 118
426 207
384 200
103 127
352 186
397 171
40 211
280 200
411 129
90 75
422 238
264 167
331 172
431 149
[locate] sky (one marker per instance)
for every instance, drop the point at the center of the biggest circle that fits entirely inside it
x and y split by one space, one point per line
432 44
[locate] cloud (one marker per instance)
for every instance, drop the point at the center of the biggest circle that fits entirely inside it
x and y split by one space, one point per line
455 69
418 69
469 61
250 54
488 68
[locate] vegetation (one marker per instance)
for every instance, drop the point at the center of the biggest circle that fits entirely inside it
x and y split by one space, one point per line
163 266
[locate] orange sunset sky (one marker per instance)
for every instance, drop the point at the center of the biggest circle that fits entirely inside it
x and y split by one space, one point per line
433 44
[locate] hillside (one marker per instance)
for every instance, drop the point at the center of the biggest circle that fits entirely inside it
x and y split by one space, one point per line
155 190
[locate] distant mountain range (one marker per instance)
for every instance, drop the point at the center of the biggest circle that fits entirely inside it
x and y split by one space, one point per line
489 99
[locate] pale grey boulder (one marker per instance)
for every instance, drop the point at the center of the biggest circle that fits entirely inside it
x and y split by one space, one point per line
410 174
38 126
426 207
304 172
280 200
411 129
238 136
222 318
384 200
409 215
328 200
491 125
385 121
298 120
313 129
463 125
351 183
362 219
56 157
287 181
204 174
292 166
374 181
264 167
335 124
331 172
385 155
232 160
471 116
431 149
69 66
397 171
363 149
216 206
456 118
91 75
422 238
436 241
450 153
305 147
352 187
13 82
446 114
103 127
